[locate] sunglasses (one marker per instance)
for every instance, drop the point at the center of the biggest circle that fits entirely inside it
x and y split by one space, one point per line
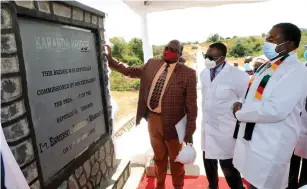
171 49
209 57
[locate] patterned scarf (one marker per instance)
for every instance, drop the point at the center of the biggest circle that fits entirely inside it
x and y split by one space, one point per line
258 95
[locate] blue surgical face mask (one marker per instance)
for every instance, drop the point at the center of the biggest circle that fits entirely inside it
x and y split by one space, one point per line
305 54
269 50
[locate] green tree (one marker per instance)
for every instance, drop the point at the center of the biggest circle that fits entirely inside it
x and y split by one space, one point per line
239 50
157 50
213 38
120 48
133 61
136 48
257 47
253 39
130 53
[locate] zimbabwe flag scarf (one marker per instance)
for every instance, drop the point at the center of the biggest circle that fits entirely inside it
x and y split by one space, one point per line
260 89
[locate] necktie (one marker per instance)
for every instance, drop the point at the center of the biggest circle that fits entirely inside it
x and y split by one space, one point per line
156 94
212 74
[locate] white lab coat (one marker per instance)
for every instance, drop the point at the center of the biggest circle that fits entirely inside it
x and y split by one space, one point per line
264 160
13 177
301 146
218 123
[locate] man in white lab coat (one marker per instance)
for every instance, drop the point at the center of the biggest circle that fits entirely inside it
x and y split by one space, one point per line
222 85
270 115
11 175
300 155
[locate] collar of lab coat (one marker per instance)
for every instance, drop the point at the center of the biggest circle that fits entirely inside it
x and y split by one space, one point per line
205 75
291 59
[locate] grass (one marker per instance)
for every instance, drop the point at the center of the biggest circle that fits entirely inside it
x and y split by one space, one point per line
127 104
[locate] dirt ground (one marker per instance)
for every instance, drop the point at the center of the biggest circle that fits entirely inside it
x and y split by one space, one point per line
127 104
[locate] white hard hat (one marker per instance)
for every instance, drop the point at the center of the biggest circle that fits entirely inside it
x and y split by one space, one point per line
187 155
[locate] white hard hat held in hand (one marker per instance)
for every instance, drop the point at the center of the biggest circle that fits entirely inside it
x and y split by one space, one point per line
187 155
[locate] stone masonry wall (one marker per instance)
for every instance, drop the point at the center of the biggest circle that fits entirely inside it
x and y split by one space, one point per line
14 116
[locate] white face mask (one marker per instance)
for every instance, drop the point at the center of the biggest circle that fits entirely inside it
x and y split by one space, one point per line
210 63
269 50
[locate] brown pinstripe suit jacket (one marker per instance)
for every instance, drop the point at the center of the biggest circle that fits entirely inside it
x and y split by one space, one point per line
179 97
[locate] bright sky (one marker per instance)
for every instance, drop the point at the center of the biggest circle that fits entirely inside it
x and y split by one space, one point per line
196 24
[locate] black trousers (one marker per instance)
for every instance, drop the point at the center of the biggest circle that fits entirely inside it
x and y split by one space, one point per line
231 174
294 181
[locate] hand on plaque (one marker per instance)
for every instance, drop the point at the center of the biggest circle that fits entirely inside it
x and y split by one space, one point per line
108 54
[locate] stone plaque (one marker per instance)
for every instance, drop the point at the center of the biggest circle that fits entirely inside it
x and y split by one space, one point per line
64 91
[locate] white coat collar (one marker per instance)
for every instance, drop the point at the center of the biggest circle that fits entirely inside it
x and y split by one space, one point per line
205 75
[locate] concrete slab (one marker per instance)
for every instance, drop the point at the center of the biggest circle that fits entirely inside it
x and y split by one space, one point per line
136 175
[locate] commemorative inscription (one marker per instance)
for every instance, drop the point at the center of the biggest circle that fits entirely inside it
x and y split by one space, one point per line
64 91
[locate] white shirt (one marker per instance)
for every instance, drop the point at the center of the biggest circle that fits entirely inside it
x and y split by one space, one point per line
218 123
264 160
13 177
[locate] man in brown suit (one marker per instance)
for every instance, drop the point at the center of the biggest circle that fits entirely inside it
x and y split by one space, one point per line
167 94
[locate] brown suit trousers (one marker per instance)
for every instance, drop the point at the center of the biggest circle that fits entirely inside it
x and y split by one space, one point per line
162 150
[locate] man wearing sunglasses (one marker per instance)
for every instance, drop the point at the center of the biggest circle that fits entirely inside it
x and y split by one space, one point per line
270 115
167 94
222 85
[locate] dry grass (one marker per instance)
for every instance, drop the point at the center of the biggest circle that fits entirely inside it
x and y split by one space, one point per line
127 104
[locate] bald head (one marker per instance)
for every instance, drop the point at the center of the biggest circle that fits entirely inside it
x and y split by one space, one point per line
172 51
177 45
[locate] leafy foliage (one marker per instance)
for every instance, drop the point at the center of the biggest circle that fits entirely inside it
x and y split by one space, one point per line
157 50
239 50
241 46
251 46
130 53
300 51
135 48
214 38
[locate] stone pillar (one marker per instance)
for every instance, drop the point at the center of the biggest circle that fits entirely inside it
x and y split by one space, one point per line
97 169
14 116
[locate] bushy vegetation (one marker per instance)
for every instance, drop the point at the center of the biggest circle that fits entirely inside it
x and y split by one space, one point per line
130 53
249 46
301 49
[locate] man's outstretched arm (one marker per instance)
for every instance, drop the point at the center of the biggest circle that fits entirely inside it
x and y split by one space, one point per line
130 71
